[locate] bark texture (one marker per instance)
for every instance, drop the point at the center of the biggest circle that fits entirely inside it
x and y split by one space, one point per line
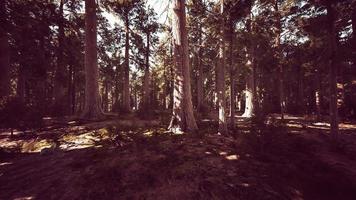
146 79
220 75
126 86
334 122
182 117
92 109
250 91
232 74
4 53
59 80
280 66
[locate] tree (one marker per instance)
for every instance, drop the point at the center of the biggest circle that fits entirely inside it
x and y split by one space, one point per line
182 116
92 108
331 16
4 52
149 27
220 74
60 81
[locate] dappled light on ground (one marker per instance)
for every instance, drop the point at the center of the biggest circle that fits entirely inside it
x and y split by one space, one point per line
101 161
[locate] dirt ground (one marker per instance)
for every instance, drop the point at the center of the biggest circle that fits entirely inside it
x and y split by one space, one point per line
110 160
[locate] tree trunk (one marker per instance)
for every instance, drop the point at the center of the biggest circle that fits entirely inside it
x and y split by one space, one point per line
59 80
200 78
354 33
171 88
126 86
232 75
146 79
182 117
71 90
4 54
220 76
318 94
249 96
301 99
250 92
279 64
334 122
116 101
92 109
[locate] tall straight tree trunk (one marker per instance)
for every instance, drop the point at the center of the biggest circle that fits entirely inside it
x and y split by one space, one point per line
200 78
59 80
126 86
4 53
146 79
71 90
279 64
301 99
116 103
250 91
334 122
232 74
92 108
318 93
354 33
165 86
220 75
182 116
171 96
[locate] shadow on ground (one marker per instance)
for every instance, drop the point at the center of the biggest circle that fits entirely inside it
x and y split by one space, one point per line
112 163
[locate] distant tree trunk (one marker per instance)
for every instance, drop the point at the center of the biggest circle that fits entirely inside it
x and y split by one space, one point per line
354 32
71 90
146 78
301 99
171 97
40 92
21 84
232 75
249 96
4 53
182 117
116 100
318 93
59 80
126 86
92 109
200 78
105 102
250 91
279 64
165 86
220 76
334 122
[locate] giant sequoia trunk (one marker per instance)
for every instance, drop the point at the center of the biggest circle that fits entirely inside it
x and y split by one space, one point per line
220 75
334 124
200 77
183 117
279 64
250 91
249 94
92 109
146 79
126 85
232 75
4 54
59 80
354 33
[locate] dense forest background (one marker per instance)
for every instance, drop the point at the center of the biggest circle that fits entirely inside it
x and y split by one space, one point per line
294 57
177 99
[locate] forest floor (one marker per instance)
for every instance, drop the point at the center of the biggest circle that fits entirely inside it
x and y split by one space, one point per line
113 160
